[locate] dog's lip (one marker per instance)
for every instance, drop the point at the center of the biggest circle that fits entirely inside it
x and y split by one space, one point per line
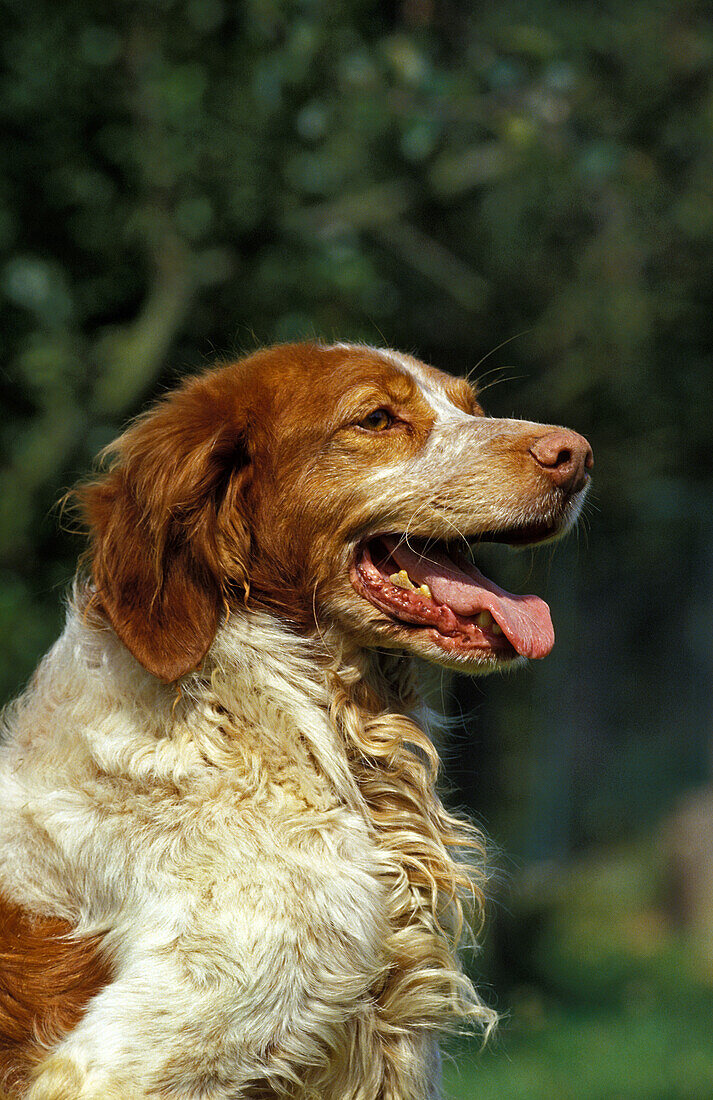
524 534
441 625
459 593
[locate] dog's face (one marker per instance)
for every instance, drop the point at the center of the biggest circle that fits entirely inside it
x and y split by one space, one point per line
335 487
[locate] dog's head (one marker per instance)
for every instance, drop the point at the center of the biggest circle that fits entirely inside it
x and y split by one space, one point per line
334 487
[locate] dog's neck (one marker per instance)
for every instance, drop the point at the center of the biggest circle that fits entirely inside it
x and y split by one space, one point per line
294 691
359 715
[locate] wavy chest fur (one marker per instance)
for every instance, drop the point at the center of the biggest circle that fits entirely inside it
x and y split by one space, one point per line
261 854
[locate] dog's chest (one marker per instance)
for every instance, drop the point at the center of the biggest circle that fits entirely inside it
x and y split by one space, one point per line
271 918
243 883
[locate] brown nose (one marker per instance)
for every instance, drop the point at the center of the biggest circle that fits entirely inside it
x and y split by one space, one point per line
565 457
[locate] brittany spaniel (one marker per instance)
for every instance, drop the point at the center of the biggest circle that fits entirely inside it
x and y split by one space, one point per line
225 871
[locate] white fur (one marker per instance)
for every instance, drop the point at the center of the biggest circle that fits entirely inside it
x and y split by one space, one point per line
245 933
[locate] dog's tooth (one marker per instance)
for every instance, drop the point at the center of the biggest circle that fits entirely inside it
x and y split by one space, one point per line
425 591
484 620
402 580
496 629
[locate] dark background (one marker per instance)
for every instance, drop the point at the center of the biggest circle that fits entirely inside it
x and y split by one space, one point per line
521 188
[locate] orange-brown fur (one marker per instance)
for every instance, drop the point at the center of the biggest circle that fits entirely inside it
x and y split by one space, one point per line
186 463
46 980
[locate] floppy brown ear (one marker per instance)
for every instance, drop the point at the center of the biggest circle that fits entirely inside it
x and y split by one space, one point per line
169 532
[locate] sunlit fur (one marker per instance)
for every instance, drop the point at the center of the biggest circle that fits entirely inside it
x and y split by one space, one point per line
221 780
265 855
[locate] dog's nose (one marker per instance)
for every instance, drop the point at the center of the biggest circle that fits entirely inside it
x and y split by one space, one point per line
566 457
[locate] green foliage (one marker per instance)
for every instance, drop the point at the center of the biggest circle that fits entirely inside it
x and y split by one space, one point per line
655 1052
607 1000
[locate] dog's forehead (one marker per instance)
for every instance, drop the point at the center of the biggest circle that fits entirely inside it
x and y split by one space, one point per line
311 382
357 366
323 371
446 395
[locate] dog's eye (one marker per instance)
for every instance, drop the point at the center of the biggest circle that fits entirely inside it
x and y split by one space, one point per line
377 421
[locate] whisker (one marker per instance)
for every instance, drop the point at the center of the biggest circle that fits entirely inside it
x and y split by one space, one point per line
492 351
496 381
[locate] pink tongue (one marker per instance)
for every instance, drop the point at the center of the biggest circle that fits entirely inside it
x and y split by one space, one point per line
524 620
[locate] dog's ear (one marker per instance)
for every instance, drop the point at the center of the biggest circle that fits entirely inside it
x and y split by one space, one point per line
169 533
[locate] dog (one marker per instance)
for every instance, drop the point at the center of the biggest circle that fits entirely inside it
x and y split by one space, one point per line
225 871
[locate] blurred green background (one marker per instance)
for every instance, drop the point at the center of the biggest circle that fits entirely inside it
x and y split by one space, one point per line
522 187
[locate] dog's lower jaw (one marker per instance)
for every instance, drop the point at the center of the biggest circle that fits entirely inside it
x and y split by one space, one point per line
372 632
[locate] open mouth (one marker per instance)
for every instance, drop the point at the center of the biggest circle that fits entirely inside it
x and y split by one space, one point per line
429 585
